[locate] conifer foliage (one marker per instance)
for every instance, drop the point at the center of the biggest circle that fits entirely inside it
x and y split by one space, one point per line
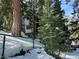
5 14
52 30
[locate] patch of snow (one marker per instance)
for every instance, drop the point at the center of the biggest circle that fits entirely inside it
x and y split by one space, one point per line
23 35
19 57
3 32
35 54
71 55
73 43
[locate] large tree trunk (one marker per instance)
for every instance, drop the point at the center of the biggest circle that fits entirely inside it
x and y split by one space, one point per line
16 27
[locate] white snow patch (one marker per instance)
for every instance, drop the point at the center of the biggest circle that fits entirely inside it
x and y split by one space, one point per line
71 55
35 55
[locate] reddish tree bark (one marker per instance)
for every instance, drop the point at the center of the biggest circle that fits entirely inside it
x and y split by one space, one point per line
16 27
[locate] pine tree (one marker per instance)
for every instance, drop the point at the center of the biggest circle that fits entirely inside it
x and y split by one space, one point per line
52 30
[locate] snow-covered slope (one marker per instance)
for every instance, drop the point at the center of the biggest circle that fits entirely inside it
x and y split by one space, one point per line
35 54
13 45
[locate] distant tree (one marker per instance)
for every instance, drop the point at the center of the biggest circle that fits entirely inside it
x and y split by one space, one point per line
74 23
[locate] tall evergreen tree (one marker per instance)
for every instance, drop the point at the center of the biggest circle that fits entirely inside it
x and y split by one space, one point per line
52 30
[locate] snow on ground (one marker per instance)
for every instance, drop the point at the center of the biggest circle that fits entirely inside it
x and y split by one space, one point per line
70 55
13 45
35 54
3 32
41 54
